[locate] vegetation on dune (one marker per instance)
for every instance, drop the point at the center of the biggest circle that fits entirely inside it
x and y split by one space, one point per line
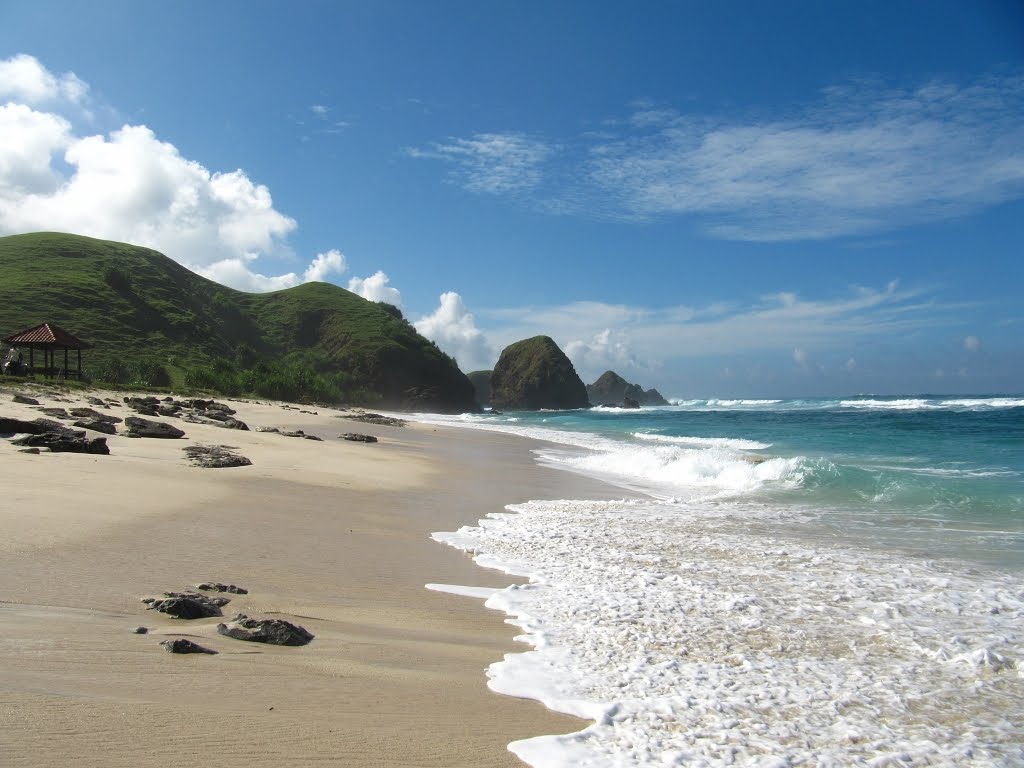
153 323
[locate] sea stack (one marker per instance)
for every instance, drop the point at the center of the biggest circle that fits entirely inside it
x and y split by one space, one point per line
534 374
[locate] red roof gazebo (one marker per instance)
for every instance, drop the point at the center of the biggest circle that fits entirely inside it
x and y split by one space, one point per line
50 339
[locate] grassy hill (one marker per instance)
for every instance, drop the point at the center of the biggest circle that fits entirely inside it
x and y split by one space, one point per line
144 312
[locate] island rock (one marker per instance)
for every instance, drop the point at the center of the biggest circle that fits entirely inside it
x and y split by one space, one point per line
535 374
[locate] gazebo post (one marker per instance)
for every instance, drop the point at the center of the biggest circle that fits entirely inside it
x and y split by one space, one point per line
32 360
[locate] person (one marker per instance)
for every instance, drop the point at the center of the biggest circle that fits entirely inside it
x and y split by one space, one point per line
9 361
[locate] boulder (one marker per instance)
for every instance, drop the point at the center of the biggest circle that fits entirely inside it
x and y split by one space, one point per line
10 426
136 427
216 586
57 413
65 442
25 400
96 425
357 437
94 415
272 631
535 374
185 605
375 418
215 456
181 645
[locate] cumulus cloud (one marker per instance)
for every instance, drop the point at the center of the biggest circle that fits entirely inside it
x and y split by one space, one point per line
330 263
602 351
972 343
128 185
25 79
376 288
453 328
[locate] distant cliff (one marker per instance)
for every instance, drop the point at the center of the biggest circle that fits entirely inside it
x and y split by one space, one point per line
612 389
481 381
535 374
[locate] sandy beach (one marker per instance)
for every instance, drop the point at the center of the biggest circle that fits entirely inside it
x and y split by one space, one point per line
331 535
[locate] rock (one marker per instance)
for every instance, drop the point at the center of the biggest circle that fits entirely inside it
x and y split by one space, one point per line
187 605
141 630
57 413
267 429
629 402
312 437
65 442
181 645
481 381
136 427
95 401
25 400
613 389
30 450
97 426
215 456
11 426
216 586
147 406
356 437
94 415
375 418
272 631
535 374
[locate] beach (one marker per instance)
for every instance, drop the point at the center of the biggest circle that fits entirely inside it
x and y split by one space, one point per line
331 535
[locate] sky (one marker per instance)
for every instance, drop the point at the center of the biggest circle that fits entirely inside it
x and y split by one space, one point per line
717 199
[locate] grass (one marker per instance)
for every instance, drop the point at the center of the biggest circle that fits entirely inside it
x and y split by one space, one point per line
147 315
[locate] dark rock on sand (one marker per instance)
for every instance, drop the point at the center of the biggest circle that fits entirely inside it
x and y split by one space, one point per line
273 631
147 406
94 415
96 425
25 400
65 442
181 645
36 451
216 586
182 605
375 418
11 426
141 630
57 413
136 427
215 456
357 437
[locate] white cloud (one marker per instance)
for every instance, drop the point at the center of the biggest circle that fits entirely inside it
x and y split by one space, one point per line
493 163
850 365
23 78
330 263
972 343
130 186
604 350
800 357
319 110
453 328
376 288
861 160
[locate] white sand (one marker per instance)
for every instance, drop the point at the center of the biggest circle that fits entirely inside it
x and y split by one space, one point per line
331 535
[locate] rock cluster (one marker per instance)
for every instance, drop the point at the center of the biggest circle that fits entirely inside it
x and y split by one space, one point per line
374 418
610 389
193 410
357 437
45 433
187 605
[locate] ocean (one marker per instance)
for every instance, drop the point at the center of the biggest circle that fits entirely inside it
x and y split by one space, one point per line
825 582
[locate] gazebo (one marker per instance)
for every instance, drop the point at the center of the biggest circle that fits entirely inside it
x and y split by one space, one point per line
51 340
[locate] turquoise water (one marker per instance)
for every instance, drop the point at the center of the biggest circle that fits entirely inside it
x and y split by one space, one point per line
787 582
931 475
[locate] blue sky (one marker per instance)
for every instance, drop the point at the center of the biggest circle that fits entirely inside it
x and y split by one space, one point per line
717 199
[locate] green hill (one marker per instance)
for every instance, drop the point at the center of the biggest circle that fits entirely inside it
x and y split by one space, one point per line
144 312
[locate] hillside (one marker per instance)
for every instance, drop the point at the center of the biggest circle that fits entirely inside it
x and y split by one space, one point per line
136 305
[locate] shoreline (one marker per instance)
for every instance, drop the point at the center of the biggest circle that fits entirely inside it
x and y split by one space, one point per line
331 535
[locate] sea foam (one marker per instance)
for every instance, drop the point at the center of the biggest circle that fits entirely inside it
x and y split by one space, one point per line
702 635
